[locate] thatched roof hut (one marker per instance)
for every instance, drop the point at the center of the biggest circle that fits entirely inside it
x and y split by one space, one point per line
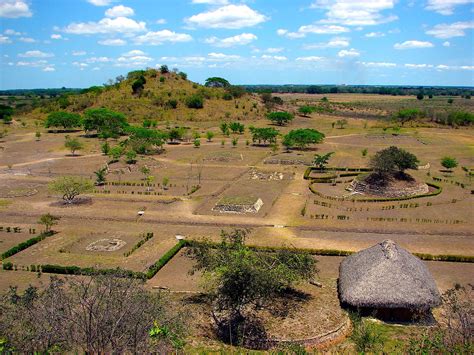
386 277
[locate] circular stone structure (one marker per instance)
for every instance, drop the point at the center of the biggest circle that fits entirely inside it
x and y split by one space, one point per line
106 244
393 189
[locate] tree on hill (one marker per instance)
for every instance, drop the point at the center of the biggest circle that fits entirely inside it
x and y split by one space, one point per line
265 135
69 187
393 160
406 115
105 122
301 138
280 118
235 91
138 85
66 120
449 163
73 144
216 82
243 280
164 69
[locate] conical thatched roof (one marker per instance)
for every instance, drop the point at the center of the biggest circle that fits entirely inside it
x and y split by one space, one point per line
386 276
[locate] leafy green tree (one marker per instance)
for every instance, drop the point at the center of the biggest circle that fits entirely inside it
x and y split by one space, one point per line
306 110
63 119
105 148
183 75
144 140
393 160
195 101
70 187
280 118
138 85
116 153
449 163
321 160
406 115
197 143
420 96
105 122
48 220
216 82
100 176
237 127
301 138
235 91
264 135
224 126
288 142
73 144
164 69
242 279
176 133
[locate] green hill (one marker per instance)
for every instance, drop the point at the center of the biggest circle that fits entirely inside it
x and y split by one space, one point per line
152 95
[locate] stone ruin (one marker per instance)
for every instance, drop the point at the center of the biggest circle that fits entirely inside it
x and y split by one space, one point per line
238 205
256 175
390 191
106 244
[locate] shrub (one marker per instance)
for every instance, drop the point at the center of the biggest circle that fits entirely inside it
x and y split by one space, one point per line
280 118
152 270
195 101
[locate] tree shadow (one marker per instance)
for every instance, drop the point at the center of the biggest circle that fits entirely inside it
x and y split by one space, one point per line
287 302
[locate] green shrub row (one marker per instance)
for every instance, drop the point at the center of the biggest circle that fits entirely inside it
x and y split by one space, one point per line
153 269
76 270
23 245
142 241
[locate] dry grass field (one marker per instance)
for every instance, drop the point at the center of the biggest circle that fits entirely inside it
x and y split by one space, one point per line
291 215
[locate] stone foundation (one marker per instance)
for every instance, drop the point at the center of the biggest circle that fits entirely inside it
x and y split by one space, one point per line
238 208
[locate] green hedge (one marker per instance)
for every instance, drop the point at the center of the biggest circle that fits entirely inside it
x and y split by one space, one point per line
152 270
26 244
76 270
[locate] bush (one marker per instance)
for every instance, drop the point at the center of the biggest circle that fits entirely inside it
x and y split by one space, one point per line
22 246
152 270
280 118
195 101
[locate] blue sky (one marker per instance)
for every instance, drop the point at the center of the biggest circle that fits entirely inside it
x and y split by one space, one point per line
79 43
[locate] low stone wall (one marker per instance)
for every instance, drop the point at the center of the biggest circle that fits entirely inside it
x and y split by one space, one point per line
389 191
244 208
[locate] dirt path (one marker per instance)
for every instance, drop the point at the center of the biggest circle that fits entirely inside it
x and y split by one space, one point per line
38 161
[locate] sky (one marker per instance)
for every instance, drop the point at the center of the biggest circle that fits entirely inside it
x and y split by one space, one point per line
80 43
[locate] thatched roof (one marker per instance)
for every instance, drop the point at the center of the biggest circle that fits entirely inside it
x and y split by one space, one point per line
386 276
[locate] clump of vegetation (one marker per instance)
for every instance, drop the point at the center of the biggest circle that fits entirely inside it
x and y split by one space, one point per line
195 101
64 120
73 144
240 280
264 135
407 115
449 163
48 220
301 138
54 318
321 160
280 118
70 187
106 123
366 335
393 161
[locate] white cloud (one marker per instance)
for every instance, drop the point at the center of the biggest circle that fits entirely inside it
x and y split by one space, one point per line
100 2
34 64
107 25
230 17
309 59
282 32
98 60
378 64
210 2
336 42
159 37
457 29
49 69
113 42
133 53
238 40
14 9
160 21
413 44
418 66
4 39
56 36
374 34
323 29
27 40
279 58
221 56
78 53
445 7
119 11
35 54
356 12
446 44
348 53
11 32
133 61
274 50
